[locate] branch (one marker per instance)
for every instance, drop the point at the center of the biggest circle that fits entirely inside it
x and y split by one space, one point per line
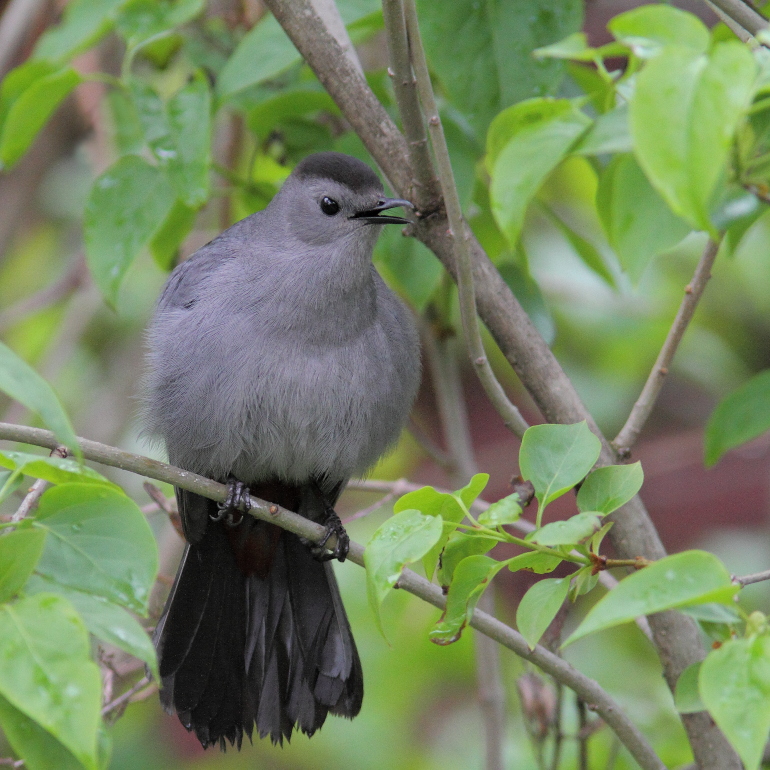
646 401
409 581
406 98
460 234
757 577
16 21
741 13
676 635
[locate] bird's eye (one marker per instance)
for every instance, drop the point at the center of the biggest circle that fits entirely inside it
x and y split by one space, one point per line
329 206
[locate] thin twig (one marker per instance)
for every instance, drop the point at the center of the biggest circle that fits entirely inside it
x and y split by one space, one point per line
582 737
407 99
589 690
558 733
32 498
126 696
757 577
459 232
646 401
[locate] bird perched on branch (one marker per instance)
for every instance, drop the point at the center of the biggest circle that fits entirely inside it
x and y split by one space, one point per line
281 364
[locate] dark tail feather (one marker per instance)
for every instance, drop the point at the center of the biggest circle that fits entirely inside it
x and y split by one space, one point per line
237 649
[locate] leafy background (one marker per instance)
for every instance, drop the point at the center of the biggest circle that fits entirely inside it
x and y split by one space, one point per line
606 325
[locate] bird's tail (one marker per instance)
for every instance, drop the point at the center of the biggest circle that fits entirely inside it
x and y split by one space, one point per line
240 647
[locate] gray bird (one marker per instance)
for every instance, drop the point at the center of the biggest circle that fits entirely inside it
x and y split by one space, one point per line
280 363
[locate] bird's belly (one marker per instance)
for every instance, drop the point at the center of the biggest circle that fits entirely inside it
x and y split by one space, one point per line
300 417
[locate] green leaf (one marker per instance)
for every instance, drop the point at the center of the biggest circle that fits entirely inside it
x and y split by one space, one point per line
471 576
606 489
127 204
575 47
84 22
687 698
459 546
404 538
525 143
57 470
47 674
690 577
408 267
489 65
504 511
684 112
609 133
189 118
99 542
126 128
725 614
540 563
649 29
168 239
570 532
37 747
19 553
742 416
23 384
450 507
556 457
637 221
590 255
105 620
141 20
734 685
30 112
538 607
472 489
19 80
265 51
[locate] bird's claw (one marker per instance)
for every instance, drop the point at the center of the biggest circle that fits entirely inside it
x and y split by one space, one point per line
341 547
229 510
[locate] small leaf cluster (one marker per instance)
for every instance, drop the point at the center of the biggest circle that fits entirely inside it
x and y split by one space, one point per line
440 529
81 566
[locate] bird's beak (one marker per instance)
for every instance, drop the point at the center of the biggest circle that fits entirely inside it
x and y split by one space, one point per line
372 216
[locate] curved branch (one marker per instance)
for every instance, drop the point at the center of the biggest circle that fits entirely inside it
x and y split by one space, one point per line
585 687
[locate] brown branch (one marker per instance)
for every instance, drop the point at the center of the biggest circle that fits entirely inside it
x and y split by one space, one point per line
676 635
647 398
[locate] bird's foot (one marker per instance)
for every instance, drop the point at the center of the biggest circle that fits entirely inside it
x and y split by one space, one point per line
237 497
341 547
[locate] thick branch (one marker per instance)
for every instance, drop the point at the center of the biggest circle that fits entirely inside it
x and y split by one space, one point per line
649 395
676 635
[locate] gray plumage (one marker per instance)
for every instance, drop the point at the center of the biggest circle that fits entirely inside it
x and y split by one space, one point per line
278 357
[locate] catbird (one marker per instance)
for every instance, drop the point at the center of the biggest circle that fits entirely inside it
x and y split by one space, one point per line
281 364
